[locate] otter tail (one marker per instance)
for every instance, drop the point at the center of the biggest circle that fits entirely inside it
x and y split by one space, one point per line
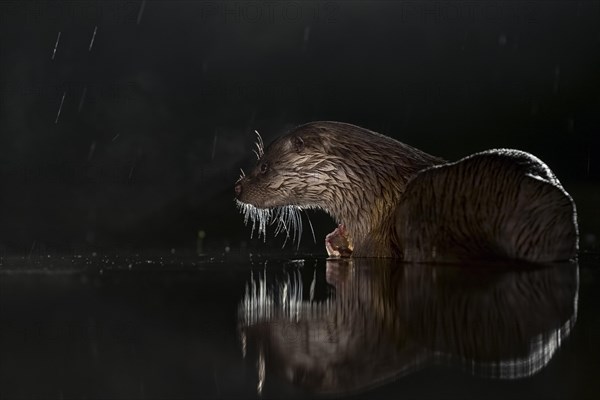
498 204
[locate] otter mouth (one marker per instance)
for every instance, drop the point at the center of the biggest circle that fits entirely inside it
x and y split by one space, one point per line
286 219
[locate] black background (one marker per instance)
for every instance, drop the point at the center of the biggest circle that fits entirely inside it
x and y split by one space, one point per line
159 115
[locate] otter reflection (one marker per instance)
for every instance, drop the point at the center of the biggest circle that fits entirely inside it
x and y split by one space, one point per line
386 321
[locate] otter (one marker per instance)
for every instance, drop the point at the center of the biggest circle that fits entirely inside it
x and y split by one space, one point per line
393 200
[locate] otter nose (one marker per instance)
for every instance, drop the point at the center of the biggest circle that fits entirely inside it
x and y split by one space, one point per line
238 189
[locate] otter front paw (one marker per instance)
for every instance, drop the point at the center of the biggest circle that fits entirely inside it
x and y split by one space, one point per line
338 243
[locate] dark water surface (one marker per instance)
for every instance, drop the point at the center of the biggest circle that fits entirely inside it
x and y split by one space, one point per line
177 327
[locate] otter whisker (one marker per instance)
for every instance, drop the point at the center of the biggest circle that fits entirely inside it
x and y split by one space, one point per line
288 223
294 226
260 145
285 218
287 236
282 223
259 216
290 219
298 225
242 176
311 226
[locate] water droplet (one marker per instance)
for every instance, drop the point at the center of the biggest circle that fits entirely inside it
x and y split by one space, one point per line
60 107
92 150
141 12
56 45
82 99
214 146
93 37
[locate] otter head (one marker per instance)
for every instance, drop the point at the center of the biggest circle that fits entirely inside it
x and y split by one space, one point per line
292 174
285 174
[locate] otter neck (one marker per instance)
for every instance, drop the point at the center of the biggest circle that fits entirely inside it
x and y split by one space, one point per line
367 214
364 196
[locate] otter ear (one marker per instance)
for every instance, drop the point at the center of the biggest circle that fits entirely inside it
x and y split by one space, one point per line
298 143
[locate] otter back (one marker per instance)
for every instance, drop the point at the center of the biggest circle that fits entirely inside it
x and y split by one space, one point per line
495 204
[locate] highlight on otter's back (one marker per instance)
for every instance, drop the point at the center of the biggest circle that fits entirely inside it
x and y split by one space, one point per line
393 200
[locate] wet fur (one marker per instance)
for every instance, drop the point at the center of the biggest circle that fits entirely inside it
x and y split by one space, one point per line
397 201
495 204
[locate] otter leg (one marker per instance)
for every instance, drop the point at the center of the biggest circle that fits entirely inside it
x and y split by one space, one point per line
338 243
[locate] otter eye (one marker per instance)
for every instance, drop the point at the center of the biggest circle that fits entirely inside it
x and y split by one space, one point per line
264 167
